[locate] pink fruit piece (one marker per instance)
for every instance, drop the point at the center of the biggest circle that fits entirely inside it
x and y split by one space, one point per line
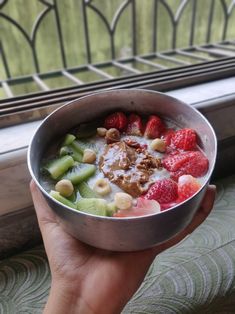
154 127
134 126
168 205
116 120
187 186
185 139
163 191
143 207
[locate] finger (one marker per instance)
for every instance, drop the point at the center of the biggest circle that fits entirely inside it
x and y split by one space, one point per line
204 210
45 216
47 221
49 225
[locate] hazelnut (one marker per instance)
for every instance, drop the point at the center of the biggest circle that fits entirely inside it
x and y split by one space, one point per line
102 187
112 135
123 200
64 187
89 156
101 132
158 145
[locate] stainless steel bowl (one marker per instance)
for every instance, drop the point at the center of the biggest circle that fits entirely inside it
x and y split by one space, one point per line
122 234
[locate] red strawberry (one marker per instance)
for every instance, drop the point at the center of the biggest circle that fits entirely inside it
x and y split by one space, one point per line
196 165
167 135
187 186
117 120
175 160
163 191
134 126
154 127
179 163
185 139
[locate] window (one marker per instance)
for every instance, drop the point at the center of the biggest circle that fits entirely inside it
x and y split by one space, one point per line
63 50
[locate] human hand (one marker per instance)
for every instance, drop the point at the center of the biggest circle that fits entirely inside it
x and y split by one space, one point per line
90 280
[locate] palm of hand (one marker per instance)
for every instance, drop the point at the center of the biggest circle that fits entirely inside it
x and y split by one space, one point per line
86 268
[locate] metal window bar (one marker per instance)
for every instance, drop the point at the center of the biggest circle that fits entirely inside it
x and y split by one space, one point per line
86 32
152 64
168 56
111 28
214 66
129 75
99 71
193 22
40 83
214 51
4 60
133 11
35 28
192 55
211 15
99 67
155 13
57 101
223 47
7 89
125 67
72 77
60 34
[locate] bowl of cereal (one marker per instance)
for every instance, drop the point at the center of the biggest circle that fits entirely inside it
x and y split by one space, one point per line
123 170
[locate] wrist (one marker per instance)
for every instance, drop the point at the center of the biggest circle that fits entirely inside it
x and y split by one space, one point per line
66 298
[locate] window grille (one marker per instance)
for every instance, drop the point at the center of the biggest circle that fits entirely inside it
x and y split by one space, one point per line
54 51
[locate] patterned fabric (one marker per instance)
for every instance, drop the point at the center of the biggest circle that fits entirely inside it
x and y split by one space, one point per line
196 276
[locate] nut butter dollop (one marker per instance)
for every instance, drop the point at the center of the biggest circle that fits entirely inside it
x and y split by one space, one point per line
128 167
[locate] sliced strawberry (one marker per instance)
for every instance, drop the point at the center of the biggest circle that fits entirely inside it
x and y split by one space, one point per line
167 135
163 191
154 127
134 126
179 163
175 160
187 186
196 165
117 120
143 207
185 139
